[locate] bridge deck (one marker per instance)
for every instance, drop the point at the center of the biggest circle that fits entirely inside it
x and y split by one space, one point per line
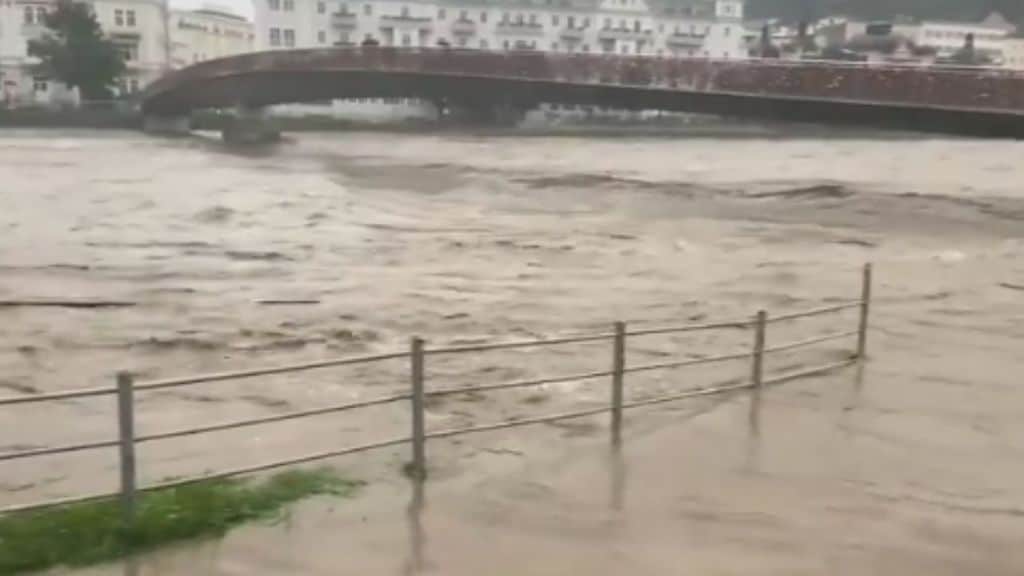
815 90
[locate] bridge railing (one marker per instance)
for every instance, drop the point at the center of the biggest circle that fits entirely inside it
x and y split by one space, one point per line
126 390
982 88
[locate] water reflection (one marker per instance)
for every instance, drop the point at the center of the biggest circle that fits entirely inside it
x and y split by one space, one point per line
417 537
753 447
617 479
854 398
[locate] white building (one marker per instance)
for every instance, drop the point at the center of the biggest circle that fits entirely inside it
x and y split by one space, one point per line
949 37
208 33
1013 53
706 28
21 22
138 27
140 30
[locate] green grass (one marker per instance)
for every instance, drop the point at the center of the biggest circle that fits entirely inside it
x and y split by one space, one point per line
92 532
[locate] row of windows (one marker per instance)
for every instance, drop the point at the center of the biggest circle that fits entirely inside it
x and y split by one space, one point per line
277 5
606 47
522 19
124 17
35 15
129 52
282 37
960 34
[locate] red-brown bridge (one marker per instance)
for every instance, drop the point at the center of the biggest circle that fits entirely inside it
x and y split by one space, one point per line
979 101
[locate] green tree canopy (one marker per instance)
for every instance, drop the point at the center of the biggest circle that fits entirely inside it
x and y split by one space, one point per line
75 52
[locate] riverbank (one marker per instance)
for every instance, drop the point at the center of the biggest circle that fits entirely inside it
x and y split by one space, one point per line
126 118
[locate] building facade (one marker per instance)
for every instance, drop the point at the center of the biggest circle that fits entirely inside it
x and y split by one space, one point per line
208 33
137 27
1013 53
949 37
706 28
140 30
152 39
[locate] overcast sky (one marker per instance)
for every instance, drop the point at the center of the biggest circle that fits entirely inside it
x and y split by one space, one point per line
241 7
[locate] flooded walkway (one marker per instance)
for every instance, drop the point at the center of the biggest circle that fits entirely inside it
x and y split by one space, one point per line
913 467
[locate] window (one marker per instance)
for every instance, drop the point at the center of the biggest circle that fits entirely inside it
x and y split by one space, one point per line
554 46
406 39
367 9
405 11
274 4
504 18
289 37
483 17
484 45
442 13
505 44
321 37
463 15
520 19
636 25
40 15
133 84
30 15
289 5
586 47
570 22
40 85
321 8
607 23
275 36
129 53
462 42
130 17
726 31
533 19
119 17
554 19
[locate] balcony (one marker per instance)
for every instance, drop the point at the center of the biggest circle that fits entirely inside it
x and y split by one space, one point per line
346 20
624 34
571 34
517 29
420 24
680 40
463 28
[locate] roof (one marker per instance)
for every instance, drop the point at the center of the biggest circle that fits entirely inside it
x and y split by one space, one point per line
219 13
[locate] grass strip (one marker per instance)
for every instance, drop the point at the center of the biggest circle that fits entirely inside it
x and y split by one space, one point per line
91 532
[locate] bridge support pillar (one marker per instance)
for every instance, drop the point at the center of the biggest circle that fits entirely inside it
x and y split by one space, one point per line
250 126
166 125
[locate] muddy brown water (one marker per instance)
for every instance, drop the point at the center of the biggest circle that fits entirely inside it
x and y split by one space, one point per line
335 245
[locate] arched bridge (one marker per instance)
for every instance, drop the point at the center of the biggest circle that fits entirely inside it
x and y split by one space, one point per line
979 101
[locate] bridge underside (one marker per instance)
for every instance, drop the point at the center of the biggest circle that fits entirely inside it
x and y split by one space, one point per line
256 89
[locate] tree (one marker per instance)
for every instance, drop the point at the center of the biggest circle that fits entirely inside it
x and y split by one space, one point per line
75 52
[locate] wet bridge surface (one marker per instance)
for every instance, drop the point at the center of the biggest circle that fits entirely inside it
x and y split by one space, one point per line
979 101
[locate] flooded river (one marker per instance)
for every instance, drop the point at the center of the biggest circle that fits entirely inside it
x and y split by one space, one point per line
342 244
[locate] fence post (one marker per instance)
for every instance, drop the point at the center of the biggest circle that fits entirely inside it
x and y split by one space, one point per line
618 371
419 457
126 436
865 307
757 370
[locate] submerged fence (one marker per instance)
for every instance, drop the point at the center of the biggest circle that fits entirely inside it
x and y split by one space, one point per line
126 389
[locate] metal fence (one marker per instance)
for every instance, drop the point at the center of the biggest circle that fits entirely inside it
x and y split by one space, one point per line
126 388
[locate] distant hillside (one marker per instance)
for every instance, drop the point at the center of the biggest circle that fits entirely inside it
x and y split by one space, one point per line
967 10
